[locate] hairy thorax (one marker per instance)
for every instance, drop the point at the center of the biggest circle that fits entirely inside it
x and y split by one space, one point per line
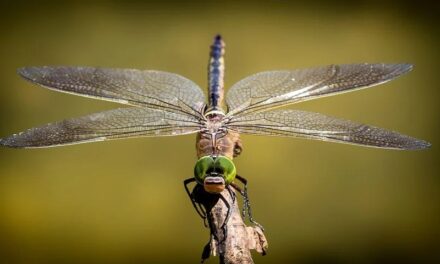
216 140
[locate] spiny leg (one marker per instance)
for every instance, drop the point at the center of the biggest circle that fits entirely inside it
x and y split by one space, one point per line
207 249
202 213
228 215
231 193
199 209
243 192
247 203
240 190
212 227
206 253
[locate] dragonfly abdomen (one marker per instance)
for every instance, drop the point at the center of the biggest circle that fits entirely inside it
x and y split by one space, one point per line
216 73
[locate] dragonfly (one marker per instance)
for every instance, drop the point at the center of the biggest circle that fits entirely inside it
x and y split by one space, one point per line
167 104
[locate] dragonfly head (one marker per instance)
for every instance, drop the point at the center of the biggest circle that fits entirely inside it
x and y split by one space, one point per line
214 173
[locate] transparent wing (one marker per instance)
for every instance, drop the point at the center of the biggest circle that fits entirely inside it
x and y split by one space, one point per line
266 90
154 89
309 125
113 124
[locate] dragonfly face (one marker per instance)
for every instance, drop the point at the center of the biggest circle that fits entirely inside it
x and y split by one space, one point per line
214 173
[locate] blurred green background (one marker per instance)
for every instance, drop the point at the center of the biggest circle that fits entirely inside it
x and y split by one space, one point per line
123 201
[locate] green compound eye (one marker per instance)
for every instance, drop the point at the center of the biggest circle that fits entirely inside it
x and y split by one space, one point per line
221 165
227 167
203 165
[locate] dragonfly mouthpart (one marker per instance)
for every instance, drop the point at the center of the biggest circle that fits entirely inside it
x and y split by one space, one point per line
215 183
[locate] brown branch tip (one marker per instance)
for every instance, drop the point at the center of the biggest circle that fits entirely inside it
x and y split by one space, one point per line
233 241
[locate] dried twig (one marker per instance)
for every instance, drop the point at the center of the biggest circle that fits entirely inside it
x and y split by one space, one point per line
239 240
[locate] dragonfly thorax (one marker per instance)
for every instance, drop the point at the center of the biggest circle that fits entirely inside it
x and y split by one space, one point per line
214 126
215 139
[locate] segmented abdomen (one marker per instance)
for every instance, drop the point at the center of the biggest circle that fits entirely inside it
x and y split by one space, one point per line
216 73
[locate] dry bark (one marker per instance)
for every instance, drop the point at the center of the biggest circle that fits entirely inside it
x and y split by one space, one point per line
240 239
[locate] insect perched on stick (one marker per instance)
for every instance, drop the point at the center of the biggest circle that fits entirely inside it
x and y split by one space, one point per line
167 104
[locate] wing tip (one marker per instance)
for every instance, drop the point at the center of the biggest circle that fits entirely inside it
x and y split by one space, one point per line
405 142
18 141
396 69
418 144
9 142
405 67
26 72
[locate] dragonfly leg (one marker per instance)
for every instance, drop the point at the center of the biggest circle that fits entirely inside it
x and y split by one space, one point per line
228 215
207 221
231 193
211 228
240 190
199 209
247 203
206 253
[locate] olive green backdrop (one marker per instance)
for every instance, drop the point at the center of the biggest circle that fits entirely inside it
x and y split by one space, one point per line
123 201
